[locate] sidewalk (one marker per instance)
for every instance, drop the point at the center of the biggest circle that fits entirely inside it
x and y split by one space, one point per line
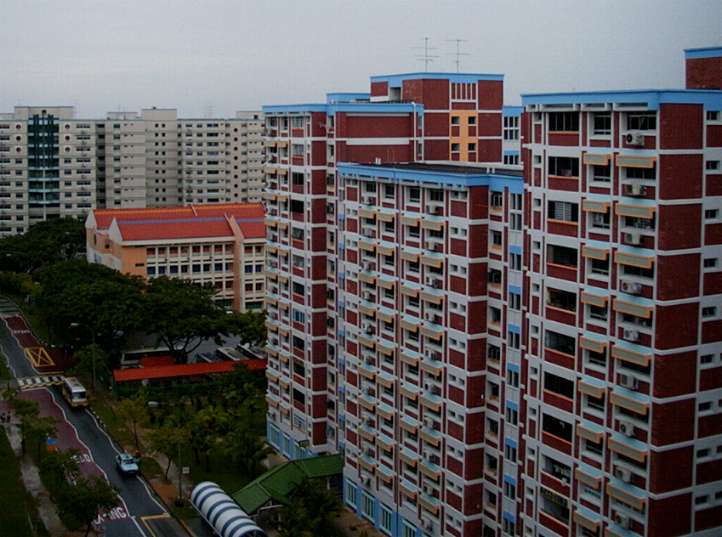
33 484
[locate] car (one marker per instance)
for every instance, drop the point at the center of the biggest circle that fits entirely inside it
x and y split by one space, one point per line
127 464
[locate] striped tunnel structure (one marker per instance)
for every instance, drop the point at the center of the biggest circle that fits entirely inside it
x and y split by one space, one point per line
222 513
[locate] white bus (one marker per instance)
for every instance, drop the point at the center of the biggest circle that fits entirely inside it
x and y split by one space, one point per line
74 392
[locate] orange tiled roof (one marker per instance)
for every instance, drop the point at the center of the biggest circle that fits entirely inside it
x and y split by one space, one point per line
192 221
184 370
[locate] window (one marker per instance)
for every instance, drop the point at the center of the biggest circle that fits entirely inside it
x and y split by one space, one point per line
710 262
558 385
414 195
711 214
564 166
599 220
557 427
599 267
601 174
514 261
561 255
367 506
709 311
560 343
713 115
351 494
602 124
642 121
565 300
455 120
564 211
511 128
386 519
712 165
597 313
563 121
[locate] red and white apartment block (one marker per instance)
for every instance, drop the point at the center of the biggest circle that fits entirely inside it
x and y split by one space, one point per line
497 349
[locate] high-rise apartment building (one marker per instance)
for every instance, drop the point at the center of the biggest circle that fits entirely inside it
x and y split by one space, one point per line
52 164
47 166
529 349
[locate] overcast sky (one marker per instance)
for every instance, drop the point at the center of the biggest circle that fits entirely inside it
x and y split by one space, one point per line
218 56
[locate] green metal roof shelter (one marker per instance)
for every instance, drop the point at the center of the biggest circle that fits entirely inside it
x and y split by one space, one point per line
278 484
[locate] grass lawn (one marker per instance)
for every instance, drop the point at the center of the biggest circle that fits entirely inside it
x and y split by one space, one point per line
219 471
18 508
115 424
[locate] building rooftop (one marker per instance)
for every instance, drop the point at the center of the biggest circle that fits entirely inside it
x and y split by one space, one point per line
192 221
450 168
703 52
160 372
395 80
651 98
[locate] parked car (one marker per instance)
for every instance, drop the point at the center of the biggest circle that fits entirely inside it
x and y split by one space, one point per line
127 464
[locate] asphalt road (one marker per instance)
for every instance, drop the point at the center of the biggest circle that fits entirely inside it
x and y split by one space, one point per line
77 428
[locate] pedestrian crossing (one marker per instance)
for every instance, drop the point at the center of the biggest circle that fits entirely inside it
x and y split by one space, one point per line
31 383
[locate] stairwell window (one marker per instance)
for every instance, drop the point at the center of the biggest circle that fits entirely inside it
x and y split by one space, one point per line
642 121
602 124
563 166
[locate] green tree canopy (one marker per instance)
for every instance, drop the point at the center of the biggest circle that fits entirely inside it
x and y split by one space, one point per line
183 315
44 243
311 513
83 501
135 412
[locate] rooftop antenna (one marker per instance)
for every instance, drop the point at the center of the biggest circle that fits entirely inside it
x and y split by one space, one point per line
426 57
458 54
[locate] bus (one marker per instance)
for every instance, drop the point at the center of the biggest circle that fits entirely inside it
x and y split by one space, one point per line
74 392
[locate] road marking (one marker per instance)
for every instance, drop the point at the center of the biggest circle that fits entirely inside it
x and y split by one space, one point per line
40 381
38 357
151 493
6 354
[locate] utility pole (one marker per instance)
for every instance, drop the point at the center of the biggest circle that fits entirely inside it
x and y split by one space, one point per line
458 54
426 57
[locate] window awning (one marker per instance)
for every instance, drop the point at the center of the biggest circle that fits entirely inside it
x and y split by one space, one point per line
594 253
385 250
591 481
594 300
434 299
590 389
595 159
385 217
638 310
630 355
586 431
628 402
595 206
367 246
627 450
633 260
409 256
633 161
433 261
409 291
635 211
410 220
625 496
408 325
366 213
435 225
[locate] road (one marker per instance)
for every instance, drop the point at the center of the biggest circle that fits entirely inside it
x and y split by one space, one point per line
140 513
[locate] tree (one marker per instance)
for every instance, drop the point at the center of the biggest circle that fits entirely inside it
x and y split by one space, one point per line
34 428
58 468
242 443
86 303
135 412
183 315
93 362
169 439
44 243
311 512
82 502
249 326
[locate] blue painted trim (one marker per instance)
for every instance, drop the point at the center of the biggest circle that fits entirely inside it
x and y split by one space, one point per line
345 96
511 151
430 176
511 111
510 442
514 328
513 405
703 52
514 289
652 98
515 249
509 517
510 480
344 107
514 368
395 80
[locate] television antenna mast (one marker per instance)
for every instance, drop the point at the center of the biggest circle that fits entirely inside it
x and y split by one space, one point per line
458 54
426 57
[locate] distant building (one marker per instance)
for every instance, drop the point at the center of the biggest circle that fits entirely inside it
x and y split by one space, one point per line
55 165
219 245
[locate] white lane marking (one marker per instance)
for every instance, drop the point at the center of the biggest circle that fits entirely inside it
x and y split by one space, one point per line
140 529
7 360
112 444
22 349
65 416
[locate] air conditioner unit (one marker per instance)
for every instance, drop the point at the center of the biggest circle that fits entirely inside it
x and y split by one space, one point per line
428 525
429 423
629 382
630 335
636 190
634 138
626 428
623 474
632 238
633 288
367 295
621 520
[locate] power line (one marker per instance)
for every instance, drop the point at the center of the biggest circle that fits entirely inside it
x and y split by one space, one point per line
458 54
426 57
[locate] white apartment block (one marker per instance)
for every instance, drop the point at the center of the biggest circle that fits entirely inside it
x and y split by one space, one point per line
54 165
